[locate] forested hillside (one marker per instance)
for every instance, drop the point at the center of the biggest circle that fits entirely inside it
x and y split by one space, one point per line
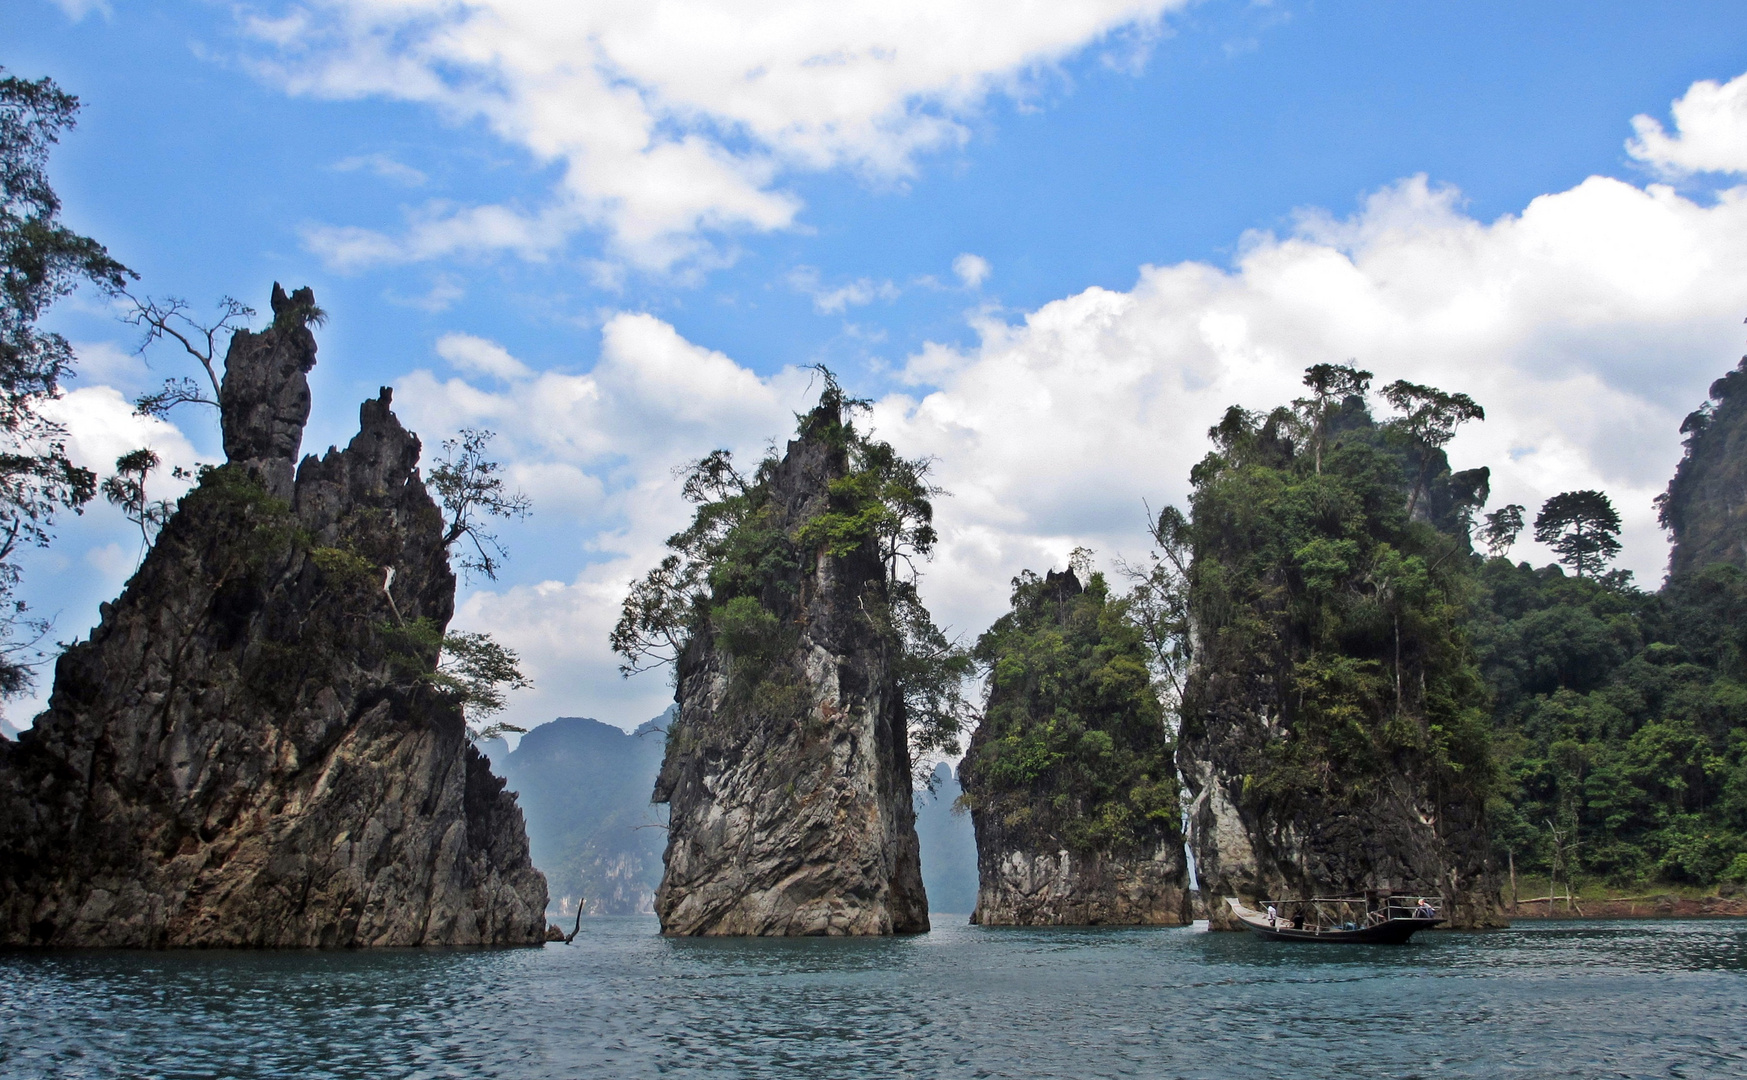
1621 723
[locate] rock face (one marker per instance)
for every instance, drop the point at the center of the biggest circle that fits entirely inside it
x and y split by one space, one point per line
247 751
1069 683
791 809
1022 886
1705 506
1333 737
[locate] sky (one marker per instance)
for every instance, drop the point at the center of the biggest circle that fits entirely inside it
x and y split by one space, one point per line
1051 243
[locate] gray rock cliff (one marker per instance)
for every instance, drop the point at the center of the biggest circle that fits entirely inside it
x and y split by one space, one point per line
246 752
791 811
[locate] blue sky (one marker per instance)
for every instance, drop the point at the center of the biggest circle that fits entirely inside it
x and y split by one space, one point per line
1262 157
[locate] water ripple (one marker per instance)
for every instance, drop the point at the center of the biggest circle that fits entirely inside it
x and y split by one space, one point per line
1615 999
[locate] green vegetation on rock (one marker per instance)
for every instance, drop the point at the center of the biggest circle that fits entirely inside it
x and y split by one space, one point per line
737 571
1074 745
1330 587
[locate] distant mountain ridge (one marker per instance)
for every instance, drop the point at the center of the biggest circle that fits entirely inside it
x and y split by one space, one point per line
584 789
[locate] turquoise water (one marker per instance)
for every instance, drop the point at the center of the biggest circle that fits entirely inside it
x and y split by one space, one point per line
1613 999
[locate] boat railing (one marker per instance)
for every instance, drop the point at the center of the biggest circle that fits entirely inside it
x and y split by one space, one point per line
1321 914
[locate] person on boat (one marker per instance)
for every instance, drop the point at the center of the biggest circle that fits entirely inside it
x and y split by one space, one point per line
1273 915
1298 919
1425 910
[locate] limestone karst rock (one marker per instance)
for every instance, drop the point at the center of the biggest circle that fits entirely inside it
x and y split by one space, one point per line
1069 777
247 752
788 776
1333 739
1705 506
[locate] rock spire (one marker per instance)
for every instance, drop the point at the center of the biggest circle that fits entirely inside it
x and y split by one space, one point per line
789 785
247 751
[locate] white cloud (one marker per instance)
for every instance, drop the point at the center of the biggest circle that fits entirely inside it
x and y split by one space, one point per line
101 426
478 356
1710 122
440 229
673 118
76 10
1588 326
972 270
384 166
598 450
444 291
829 300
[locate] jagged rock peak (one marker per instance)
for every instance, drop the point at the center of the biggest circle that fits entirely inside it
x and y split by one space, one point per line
249 751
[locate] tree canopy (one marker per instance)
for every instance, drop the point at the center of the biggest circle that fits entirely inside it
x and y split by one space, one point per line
1340 561
1074 745
739 560
41 260
1583 527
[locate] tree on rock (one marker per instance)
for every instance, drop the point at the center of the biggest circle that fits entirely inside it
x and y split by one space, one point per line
1582 527
1332 738
41 260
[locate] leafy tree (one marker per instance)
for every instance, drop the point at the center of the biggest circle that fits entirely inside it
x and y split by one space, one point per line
1332 387
126 489
1501 529
472 670
1429 419
1582 526
1158 603
1621 719
41 260
469 486
1322 599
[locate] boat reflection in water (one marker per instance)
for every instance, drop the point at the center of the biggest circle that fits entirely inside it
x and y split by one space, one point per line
1373 920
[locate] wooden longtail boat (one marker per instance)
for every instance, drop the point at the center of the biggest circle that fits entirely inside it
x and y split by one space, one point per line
1340 920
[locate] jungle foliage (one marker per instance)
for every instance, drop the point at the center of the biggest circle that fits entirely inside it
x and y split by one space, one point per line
736 574
1622 723
1074 743
1331 583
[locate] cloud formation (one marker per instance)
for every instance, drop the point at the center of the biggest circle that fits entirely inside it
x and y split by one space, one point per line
1587 325
1710 131
675 118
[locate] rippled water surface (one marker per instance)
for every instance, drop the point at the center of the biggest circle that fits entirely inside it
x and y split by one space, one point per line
1616 999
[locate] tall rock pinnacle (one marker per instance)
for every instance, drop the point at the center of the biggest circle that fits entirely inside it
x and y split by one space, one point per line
790 788
248 751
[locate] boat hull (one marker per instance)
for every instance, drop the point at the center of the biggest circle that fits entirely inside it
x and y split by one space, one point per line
1393 932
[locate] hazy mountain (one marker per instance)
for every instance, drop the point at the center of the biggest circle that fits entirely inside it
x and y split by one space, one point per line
584 789
949 848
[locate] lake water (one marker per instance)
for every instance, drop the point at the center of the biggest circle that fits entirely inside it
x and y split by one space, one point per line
1595 999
